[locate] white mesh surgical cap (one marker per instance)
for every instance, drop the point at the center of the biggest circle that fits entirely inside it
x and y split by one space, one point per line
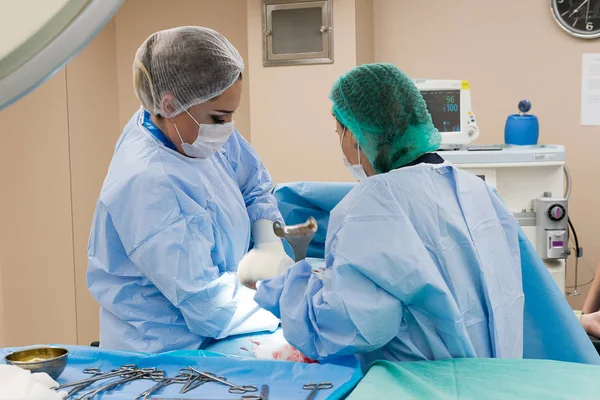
190 63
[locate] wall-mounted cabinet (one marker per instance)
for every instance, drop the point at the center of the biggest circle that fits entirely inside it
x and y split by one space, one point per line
297 32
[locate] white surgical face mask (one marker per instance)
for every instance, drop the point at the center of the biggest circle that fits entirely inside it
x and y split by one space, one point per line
357 170
211 138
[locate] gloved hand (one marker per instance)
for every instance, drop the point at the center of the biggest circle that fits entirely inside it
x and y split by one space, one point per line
267 259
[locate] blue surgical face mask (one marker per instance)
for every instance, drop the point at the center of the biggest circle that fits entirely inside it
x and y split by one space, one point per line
357 170
211 138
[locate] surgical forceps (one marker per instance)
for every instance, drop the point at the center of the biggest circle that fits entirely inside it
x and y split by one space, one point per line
233 388
193 380
244 397
143 373
315 387
75 389
162 383
264 395
99 375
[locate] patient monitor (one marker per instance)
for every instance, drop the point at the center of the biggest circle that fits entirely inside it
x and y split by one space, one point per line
529 179
449 103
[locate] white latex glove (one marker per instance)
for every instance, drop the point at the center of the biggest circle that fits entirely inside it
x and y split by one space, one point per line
267 259
19 384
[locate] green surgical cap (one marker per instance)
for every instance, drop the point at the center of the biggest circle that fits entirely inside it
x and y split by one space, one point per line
385 111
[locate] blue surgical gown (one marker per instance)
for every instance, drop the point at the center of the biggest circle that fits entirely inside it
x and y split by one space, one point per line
422 263
167 236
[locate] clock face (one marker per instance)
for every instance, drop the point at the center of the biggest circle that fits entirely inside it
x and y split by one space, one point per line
580 18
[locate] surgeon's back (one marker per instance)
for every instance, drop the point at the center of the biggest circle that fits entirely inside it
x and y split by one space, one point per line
439 241
422 259
422 263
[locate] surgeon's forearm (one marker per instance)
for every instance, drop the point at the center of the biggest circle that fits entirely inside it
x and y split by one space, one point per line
592 302
262 206
260 203
216 309
253 179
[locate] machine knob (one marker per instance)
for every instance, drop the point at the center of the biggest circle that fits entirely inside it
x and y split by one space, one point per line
556 212
524 106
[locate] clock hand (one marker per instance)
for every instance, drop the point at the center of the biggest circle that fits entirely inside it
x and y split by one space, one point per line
587 14
580 7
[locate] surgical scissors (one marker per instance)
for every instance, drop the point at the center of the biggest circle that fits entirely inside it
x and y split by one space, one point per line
194 380
264 394
233 388
315 387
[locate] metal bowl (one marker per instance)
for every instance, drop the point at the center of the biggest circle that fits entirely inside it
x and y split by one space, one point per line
51 360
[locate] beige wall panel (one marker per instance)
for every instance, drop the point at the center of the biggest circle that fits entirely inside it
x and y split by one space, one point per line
365 41
94 128
508 53
138 19
292 126
36 253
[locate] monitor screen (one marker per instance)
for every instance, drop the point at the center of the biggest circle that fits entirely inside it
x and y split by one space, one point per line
444 107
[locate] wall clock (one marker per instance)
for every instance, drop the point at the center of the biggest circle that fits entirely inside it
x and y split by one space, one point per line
580 18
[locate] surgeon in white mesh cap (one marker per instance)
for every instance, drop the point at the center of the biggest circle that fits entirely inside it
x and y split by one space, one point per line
182 196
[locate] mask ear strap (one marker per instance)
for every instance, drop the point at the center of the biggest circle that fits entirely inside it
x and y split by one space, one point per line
357 145
188 113
178 134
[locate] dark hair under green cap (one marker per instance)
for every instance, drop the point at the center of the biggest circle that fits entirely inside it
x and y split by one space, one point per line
385 111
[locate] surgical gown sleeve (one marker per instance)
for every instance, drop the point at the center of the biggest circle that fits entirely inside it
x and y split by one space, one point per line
176 258
354 306
253 178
